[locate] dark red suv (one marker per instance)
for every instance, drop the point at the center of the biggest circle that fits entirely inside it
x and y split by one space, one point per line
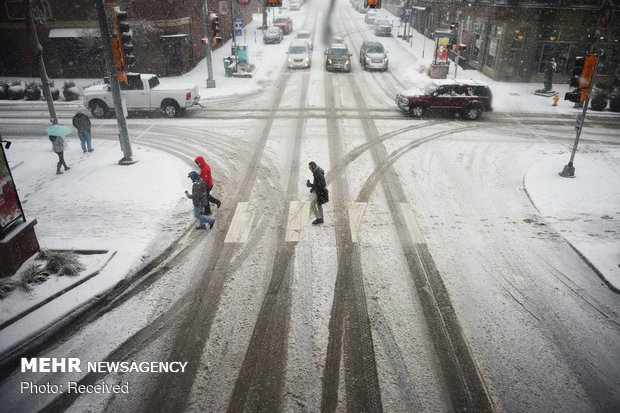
468 98
283 22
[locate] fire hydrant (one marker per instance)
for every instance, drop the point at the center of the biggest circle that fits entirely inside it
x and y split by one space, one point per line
556 97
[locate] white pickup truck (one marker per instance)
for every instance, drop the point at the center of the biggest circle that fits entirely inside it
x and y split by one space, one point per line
142 91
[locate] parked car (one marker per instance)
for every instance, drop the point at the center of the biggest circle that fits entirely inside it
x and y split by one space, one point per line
285 23
338 57
272 35
468 98
370 17
373 56
337 40
305 35
299 54
383 27
143 91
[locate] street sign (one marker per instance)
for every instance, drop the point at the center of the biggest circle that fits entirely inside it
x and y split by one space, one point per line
407 16
579 123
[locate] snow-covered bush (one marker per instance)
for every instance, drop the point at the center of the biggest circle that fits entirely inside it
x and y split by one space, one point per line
33 274
32 91
70 91
62 262
4 90
16 91
7 285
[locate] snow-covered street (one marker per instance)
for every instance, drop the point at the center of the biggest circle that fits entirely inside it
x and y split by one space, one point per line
455 269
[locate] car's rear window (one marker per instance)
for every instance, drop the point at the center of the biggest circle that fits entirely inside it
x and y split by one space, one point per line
338 52
375 48
297 49
303 35
280 20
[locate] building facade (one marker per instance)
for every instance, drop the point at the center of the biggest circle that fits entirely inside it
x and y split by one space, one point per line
167 35
511 40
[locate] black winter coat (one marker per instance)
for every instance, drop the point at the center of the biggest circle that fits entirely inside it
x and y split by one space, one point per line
319 185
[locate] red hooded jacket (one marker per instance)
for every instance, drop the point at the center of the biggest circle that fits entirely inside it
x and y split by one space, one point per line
205 171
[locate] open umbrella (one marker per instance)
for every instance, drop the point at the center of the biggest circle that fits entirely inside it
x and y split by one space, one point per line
58 130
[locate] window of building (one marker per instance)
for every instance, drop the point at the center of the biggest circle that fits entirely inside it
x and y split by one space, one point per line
562 52
609 59
491 52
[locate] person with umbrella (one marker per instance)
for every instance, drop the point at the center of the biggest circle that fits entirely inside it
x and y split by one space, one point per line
82 124
57 135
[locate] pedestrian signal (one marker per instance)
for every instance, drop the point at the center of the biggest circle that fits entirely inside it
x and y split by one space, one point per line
274 3
588 71
373 4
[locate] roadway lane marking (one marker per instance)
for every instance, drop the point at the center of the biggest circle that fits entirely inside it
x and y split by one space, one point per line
412 224
239 229
356 213
298 217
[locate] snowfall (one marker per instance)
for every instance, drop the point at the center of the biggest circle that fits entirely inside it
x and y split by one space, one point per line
131 213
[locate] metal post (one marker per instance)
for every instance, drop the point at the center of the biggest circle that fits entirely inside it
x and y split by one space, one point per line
205 14
232 32
45 81
569 169
116 89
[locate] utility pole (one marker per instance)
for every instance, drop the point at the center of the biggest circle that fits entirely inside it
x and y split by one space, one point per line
232 32
569 169
123 135
205 14
45 81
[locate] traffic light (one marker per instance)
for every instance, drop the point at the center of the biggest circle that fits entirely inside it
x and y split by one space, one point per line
122 46
576 73
126 38
373 4
273 3
215 26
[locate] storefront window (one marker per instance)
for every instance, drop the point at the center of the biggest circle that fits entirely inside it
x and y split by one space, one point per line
476 45
563 53
492 52
609 59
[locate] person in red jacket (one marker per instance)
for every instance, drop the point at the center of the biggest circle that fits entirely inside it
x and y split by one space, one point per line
205 174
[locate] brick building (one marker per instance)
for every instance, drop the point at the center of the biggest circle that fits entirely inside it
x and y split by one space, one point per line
510 40
167 35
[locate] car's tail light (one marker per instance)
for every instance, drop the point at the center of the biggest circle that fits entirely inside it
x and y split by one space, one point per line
188 96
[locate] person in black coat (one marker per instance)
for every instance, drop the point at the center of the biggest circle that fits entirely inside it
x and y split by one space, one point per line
319 188
82 124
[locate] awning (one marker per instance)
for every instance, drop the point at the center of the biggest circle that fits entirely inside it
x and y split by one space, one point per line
74 32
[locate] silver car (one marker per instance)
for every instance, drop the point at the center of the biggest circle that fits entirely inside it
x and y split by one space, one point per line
273 35
373 56
298 54
305 35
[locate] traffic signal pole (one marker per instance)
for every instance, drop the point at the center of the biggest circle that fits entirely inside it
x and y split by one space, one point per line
569 169
114 85
205 14
45 81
